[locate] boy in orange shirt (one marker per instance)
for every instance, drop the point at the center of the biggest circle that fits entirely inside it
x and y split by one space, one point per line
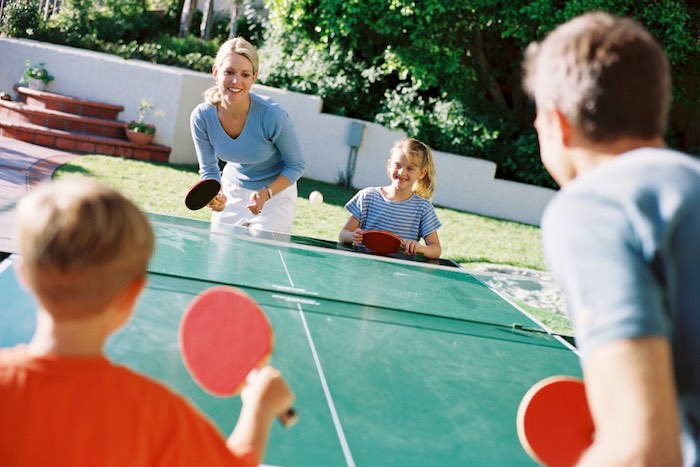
84 250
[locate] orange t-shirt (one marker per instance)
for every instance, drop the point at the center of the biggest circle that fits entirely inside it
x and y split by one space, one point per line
75 411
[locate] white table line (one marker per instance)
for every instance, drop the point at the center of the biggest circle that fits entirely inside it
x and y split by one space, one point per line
329 399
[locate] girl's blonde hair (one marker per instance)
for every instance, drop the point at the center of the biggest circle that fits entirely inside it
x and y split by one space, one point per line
238 46
419 154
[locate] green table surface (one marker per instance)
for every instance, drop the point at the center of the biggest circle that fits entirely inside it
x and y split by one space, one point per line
393 361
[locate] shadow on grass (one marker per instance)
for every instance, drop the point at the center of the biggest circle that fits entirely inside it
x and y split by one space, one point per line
184 168
70 169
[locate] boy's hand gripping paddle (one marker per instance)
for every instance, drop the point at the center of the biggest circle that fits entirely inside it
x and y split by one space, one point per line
201 193
554 422
224 335
384 242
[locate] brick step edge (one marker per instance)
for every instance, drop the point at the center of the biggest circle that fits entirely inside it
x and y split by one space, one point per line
68 104
82 143
22 112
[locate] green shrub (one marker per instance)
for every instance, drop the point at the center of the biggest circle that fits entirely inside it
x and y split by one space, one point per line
444 124
189 45
88 23
190 52
325 71
520 161
21 18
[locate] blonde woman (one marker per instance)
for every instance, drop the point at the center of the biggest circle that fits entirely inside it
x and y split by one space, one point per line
403 207
256 139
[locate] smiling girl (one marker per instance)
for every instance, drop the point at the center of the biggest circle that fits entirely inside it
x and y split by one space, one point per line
403 207
256 139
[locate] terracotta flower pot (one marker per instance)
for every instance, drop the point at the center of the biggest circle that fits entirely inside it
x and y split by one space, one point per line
142 139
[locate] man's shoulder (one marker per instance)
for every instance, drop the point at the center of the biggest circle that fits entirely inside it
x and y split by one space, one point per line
658 157
642 169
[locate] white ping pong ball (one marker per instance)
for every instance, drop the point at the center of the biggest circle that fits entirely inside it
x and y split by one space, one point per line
315 198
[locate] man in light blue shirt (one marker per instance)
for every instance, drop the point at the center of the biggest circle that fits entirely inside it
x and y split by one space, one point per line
622 237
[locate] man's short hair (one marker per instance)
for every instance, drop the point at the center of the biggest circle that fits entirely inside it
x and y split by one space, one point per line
81 243
608 76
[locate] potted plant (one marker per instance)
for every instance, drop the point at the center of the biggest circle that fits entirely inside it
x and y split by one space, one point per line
140 131
36 76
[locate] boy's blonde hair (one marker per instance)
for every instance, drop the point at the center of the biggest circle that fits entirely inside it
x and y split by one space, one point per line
419 154
81 244
232 46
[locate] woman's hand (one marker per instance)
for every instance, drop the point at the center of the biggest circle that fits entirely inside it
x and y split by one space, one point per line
257 201
218 203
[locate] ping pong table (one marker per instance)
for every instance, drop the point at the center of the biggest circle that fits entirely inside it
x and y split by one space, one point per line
393 361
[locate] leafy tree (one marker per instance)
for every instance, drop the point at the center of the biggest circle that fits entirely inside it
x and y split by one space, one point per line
449 71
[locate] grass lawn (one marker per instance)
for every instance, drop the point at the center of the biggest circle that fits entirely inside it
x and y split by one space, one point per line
468 239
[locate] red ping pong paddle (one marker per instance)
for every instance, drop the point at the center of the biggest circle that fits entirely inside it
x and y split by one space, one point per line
224 335
554 422
381 241
384 242
201 193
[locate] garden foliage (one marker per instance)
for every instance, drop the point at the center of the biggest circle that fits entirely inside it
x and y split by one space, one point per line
445 71
449 71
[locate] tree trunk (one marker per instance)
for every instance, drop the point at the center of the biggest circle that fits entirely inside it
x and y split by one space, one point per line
188 10
233 25
207 20
476 47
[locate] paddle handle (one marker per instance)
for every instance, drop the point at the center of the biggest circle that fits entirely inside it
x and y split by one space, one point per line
289 418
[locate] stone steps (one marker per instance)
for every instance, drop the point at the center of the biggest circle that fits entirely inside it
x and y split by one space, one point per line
72 124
